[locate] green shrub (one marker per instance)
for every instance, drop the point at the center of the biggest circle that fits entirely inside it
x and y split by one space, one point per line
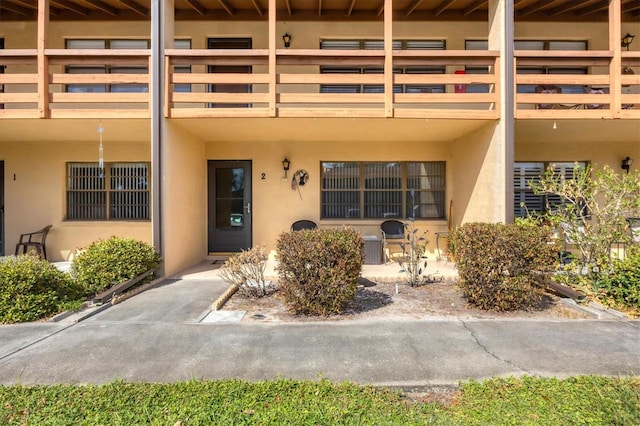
319 269
500 265
32 289
112 261
622 284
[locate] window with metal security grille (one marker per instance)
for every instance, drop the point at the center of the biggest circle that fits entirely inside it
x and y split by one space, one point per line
379 45
119 191
525 201
377 190
118 44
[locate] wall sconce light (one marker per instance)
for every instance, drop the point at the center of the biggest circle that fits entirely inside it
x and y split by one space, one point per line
285 166
626 164
555 125
626 40
287 40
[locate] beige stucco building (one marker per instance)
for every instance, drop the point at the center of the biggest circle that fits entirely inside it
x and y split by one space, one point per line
383 108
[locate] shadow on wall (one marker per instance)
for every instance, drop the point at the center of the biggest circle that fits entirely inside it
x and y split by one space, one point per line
471 153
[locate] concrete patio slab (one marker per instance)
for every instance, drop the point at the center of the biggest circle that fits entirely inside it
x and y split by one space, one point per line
223 317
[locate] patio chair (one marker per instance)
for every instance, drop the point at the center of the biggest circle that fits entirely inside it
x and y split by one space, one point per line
299 225
392 233
36 240
547 89
596 91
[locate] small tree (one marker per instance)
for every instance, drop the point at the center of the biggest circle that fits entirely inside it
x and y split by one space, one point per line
246 271
412 260
593 209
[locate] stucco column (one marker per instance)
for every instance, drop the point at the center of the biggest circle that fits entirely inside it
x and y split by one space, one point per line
501 35
162 12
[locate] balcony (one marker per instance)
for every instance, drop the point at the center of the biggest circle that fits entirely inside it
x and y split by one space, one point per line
289 83
33 87
294 87
605 92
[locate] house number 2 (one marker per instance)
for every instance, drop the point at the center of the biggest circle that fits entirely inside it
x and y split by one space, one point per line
263 175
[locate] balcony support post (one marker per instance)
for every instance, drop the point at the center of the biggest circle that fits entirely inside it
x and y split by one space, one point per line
615 66
43 63
388 58
161 18
501 31
272 58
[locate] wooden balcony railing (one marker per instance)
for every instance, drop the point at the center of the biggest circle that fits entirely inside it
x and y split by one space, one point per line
576 85
98 91
298 88
65 83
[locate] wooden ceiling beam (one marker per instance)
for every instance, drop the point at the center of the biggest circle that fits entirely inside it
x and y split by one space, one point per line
350 10
538 6
444 6
630 7
319 7
23 11
567 7
258 8
195 5
71 6
597 7
226 7
412 7
475 6
139 9
100 5
24 3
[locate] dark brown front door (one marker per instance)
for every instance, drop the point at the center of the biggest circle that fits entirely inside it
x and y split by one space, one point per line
229 204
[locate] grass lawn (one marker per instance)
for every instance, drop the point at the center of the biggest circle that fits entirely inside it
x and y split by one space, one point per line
582 400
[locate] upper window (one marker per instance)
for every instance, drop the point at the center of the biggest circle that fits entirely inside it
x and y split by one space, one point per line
525 201
119 191
379 45
379 190
532 45
113 69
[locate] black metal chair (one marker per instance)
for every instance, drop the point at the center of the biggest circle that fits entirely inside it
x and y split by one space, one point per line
392 233
36 240
299 225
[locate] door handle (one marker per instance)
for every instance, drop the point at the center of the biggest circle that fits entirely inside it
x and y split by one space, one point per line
248 208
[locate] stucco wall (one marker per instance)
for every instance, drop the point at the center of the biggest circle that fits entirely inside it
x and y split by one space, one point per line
184 180
598 153
35 193
276 205
479 177
307 34
475 161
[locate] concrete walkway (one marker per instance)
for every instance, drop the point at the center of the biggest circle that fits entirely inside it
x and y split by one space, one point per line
157 336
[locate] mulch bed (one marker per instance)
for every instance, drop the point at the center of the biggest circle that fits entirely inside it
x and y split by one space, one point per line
378 300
